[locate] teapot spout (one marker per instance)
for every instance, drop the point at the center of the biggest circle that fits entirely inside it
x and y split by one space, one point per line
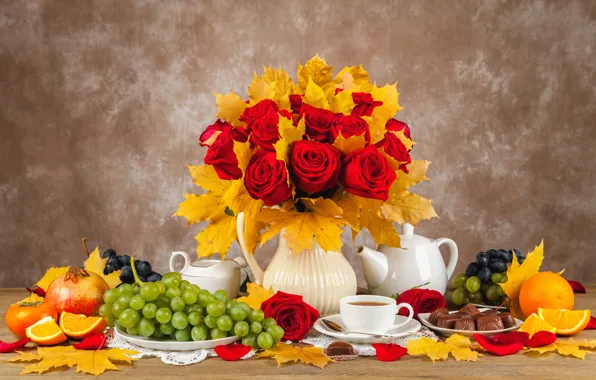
375 266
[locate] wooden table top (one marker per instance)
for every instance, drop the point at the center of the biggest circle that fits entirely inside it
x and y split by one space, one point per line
550 366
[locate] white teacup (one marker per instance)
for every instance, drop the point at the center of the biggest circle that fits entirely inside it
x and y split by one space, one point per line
371 314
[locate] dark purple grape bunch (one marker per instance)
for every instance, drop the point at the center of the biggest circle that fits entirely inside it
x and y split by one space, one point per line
115 262
480 282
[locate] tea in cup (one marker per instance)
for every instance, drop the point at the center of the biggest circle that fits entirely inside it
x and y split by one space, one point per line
371 314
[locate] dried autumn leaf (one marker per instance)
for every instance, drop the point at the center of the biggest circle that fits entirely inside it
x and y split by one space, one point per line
256 295
206 177
285 353
342 102
350 144
217 236
32 298
197 208
456 345
230 107
259 90
50 275
283 85
96 264
315 96
319 71
359 76
288 134
518 273
243 153
389 96
376 127
322 224
239 200
91 362
570 347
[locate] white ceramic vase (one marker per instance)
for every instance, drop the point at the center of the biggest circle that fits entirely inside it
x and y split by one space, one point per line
322 278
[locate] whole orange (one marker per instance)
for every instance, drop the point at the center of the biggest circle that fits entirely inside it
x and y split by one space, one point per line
547 290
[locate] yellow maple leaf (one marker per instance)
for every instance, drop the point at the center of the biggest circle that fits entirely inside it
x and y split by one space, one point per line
288 134
91 362
518 273
389 96
350 144
456 345
320 72
230 107
50 275
197 208
315 96
256 295
206 177
284 86
376 127
96 264
359 76
259 90
217 236
285 353
243 154
570 347
239 200
321 223
32 298
342 103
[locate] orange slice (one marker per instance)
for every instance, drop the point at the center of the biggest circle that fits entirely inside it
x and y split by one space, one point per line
567 322
534 323
79 326
45 332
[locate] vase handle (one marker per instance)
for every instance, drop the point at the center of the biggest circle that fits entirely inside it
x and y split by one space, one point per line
453 254
250 258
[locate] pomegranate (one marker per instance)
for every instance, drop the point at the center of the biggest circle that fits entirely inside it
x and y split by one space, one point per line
77 291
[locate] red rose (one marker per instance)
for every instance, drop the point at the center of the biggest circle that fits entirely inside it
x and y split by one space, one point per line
421 300
266 178
394 125
367 173
210 134
258 110
365 104
394 147
317 121
264 131
222 157
295 103
314 165
349 126
292 314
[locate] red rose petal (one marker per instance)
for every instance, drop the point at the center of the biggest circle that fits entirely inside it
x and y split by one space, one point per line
93 342
512 337
37 290
577 286
12 347
496 347
389 352
542 338
232 352
591 325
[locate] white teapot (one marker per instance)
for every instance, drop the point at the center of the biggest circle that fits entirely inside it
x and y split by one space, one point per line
417 263
211 274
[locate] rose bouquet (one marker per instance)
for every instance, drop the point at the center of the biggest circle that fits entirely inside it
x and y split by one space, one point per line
307 158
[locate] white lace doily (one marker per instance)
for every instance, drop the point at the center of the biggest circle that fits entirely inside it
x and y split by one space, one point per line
168 357
317 339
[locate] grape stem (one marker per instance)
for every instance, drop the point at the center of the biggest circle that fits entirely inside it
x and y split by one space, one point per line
134 272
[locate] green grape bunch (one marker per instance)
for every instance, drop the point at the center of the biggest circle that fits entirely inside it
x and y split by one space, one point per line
175 309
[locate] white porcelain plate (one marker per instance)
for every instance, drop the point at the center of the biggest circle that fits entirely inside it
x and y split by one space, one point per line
172 345
409 328
447 332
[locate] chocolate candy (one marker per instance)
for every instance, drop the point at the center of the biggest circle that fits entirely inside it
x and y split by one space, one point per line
339 350
466 324
489 323
462 314
507 319
447 321
434 316
469 309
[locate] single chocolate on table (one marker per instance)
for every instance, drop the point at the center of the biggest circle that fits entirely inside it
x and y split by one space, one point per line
434 316
339 350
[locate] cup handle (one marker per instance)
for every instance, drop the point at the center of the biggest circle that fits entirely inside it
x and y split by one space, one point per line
186 261
410 316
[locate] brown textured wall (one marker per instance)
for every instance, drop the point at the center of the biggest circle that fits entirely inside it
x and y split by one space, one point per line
101 104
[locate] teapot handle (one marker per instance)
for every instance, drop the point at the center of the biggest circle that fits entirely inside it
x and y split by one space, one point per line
453 254
250 258
186 261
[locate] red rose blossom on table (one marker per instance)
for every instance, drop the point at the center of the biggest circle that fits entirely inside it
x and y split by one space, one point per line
317 121
259 110
222 157
264 131
367 173
394 125
421 300
349 126
394 147
365 104
292 314
314 166
266 178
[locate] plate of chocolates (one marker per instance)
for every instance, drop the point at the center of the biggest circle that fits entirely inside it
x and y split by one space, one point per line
470 320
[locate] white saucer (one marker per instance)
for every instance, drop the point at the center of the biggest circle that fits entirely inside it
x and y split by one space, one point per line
409 328
172 345
447 332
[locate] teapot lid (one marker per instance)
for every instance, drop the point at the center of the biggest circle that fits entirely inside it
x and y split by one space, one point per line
409 239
